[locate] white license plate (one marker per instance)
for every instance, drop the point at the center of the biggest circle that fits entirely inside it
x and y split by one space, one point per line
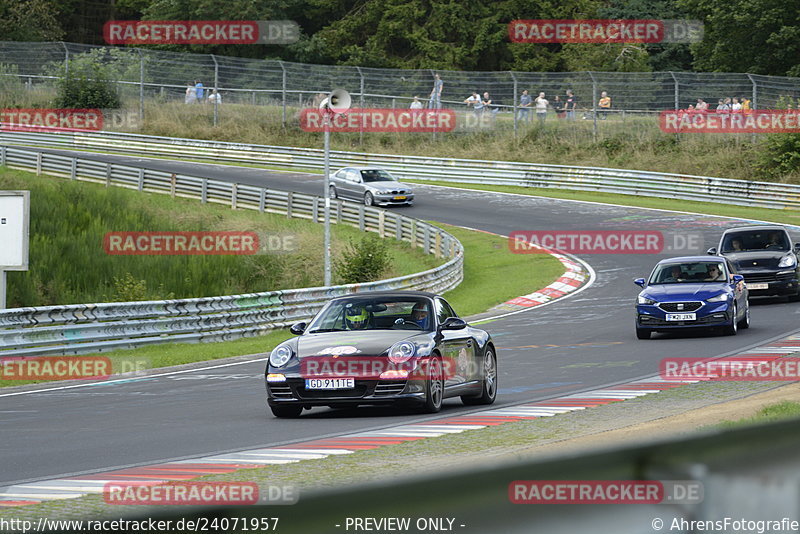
399 198
330 383
681 317
757 286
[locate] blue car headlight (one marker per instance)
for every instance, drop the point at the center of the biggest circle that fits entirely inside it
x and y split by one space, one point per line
644 300
722 297
280 356
787 261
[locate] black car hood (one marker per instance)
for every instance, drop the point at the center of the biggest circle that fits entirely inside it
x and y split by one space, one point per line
355 343
756 260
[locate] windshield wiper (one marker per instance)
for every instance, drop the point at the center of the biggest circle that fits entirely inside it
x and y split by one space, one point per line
318 330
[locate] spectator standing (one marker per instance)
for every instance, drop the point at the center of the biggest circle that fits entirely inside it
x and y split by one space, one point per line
570 105
191 96
746 105
558 106
702 106
736 107
436 93
215 97
416 104
525 106
604 104
198 90
723 107
541 104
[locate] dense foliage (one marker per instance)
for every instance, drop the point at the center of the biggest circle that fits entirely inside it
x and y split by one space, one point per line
758 36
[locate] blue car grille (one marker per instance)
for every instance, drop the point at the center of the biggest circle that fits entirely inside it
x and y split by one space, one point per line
673 307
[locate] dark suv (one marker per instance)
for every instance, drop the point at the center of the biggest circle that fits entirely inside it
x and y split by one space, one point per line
766 258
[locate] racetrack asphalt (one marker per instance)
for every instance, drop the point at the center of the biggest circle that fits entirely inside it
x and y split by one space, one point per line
581 343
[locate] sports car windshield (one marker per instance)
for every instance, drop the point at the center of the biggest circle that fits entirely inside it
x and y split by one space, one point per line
374 314
377 175
688 273
748 241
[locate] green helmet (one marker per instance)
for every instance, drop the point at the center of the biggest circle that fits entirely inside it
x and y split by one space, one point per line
356 317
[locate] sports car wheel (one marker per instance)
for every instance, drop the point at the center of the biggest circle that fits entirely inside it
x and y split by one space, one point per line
489 386
642 333
731 329
287 412
434 386
745 322
332 192
368 200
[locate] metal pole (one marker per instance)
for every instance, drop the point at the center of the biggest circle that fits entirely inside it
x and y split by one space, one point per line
2 289
594 107
283 93
677 100
361 105
66 57
514 99
327 223
216 86
141 88
754 103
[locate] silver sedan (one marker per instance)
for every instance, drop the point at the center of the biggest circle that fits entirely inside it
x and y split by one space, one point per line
371 186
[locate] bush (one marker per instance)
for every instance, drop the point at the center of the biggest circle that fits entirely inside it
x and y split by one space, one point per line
87 88
779 156
365 261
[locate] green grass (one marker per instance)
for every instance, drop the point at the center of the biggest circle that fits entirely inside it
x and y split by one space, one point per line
492 275
768 414
68 263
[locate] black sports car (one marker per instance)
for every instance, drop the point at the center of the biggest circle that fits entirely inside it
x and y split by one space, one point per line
766 258
394 347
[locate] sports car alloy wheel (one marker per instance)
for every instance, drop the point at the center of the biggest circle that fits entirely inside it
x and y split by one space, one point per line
732 328
434 386
489 385
368 200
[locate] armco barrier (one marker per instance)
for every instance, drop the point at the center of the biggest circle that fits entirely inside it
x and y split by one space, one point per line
629 182
83 328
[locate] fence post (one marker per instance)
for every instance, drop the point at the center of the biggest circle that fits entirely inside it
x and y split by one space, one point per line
289 201
141 87
141 179
283 94
38 164
66 57
677 100
216 87
315 210
262 200
362 224
594 106
514 100
204 191
361 105
109 170
755 101
234 195
73 169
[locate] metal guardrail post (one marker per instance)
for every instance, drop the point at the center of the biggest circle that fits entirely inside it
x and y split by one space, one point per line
141 180
109 171
2 155
234 195
262 200
204 191
73 168
289 205
38 164
362 224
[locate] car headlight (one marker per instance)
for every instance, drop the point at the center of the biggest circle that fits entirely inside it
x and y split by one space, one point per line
280 355
787 261
644 300
402 351
722 297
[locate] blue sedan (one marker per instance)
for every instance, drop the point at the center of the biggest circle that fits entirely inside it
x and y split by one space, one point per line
692 292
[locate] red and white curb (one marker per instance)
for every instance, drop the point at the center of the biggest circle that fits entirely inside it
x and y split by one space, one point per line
573 278
78 486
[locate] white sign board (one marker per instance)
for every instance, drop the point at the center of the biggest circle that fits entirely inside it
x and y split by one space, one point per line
14 224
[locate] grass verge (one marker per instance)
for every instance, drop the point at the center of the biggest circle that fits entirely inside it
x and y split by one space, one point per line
769 414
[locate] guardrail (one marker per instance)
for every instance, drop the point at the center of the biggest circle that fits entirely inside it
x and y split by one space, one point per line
83 328
623 181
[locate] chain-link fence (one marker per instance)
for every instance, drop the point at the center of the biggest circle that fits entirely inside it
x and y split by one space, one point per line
169 77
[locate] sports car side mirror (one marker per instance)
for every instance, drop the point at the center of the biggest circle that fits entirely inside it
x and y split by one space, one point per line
454 323
298 328
712 251
639 282
737 278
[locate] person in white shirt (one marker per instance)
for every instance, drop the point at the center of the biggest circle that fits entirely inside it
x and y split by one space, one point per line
416 104
540 103
215 97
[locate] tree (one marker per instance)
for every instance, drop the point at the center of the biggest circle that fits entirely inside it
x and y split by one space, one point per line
757 36
29 20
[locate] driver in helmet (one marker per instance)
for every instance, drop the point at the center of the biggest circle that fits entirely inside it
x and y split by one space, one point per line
356 318
419 315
